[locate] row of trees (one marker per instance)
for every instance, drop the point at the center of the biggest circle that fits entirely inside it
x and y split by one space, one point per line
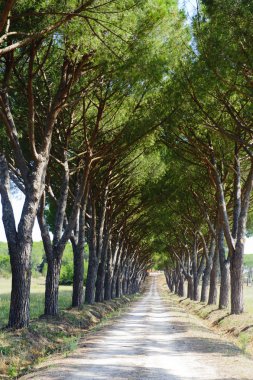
210 161
78 84
128 130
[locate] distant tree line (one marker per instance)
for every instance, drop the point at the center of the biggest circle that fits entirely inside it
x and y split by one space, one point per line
207 188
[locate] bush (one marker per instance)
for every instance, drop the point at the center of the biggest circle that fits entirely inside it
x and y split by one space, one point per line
5 267
67 273
67 269
66 276
37 255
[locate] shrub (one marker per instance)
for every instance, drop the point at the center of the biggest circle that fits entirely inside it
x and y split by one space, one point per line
5 267
66 276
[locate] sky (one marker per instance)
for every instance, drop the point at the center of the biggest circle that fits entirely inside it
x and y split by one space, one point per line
17 203
190 6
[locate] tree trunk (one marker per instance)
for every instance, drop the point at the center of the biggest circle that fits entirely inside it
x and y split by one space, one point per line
205 284
119 286
224 285
52 285
114 284
100 284
115 266
108 284
108 274
20 240
225 274
212 299
181 286
99 293
91 279
196 270
124 285
195 288
190 288
78 277
20 294
236 275
207 271
166 277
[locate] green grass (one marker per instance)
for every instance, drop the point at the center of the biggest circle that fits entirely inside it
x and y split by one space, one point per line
37 298
38 281
248 261
20 350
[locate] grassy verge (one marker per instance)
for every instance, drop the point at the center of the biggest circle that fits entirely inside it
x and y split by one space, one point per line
238 328
21 350
37 298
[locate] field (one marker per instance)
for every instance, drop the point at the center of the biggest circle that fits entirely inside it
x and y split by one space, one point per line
20 350
37 298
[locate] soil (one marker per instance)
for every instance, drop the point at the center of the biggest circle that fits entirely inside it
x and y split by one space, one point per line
154 339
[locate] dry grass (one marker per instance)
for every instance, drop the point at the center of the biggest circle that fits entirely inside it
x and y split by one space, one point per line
21 350
238 328
37 298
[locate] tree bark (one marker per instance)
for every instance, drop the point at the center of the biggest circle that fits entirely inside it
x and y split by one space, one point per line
224 270
78 276
190 288
225 285
212 298
78 244
100 284
52 285
91 278
93 258
207 272
108 275
119 285
21 280
20 241
236 273
181 286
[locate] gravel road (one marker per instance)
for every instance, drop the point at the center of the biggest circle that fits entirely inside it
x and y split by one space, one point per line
153 340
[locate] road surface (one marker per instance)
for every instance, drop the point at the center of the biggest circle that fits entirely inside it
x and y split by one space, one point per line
153 340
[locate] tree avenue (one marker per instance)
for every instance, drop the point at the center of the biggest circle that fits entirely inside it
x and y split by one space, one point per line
129 132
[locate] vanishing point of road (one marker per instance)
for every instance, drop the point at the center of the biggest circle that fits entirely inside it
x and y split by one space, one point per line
152 340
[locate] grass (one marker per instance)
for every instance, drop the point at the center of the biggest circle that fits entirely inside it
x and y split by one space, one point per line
37 298
22 349
238 328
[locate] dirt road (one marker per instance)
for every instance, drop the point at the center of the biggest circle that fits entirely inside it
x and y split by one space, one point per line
153 340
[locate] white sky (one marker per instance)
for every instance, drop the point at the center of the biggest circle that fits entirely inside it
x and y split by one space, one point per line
190 6
17 203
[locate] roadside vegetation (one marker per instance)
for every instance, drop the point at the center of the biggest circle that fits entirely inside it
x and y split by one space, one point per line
21 351
237 328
